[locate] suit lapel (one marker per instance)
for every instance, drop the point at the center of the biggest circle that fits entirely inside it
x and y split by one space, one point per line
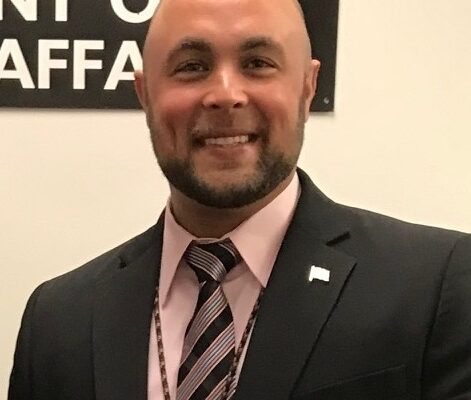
121 324
294 310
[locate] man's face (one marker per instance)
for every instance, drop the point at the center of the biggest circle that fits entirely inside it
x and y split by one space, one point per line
226 89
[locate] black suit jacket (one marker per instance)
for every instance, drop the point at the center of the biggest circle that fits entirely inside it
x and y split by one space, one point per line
394 322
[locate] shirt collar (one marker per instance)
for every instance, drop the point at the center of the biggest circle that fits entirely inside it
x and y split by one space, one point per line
258 239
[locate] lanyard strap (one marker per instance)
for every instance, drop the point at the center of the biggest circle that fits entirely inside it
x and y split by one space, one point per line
231 379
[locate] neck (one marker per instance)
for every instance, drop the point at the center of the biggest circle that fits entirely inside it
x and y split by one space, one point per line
210 222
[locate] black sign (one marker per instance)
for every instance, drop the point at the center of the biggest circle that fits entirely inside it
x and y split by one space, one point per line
81 53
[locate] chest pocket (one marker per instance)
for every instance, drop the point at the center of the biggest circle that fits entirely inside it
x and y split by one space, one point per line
386 384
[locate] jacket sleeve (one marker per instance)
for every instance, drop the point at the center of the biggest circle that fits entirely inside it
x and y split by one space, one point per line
447 360
21 385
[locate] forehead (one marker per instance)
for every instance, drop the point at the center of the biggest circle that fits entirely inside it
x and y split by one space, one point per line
224 21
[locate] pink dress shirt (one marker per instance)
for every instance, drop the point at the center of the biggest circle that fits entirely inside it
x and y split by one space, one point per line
258 240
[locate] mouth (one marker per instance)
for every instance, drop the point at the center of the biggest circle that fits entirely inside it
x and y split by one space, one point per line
226 140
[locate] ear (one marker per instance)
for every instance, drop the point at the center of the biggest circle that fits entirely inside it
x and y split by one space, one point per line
139 87
310 86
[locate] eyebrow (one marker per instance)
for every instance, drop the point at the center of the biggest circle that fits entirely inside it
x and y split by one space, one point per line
263 42
203 46
189 44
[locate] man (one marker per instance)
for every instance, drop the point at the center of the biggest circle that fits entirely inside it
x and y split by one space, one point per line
321 301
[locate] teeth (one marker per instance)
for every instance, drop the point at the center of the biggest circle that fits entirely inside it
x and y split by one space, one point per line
223 141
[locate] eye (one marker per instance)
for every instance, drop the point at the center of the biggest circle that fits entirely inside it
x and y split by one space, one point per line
258 63
191 67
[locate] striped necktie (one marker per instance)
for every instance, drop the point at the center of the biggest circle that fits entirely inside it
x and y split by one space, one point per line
209 345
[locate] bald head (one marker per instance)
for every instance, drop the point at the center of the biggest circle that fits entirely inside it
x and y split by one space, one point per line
295 3
291 9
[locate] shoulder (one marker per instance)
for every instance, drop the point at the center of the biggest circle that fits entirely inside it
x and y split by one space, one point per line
385 228
85 277
383 236
367 227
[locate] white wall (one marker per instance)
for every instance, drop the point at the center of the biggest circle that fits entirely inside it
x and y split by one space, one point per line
75 183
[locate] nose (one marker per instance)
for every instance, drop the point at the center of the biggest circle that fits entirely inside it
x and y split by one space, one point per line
226 90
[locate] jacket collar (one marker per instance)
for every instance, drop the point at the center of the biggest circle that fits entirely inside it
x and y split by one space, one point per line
294 310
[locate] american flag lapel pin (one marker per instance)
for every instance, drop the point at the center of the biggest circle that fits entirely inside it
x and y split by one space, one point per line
318 273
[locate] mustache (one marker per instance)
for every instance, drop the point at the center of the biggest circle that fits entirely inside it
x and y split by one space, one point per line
228 124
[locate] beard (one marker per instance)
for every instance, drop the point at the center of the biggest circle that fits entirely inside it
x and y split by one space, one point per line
272 168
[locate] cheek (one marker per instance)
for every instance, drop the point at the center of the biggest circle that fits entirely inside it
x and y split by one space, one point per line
172 115
281 108
174 109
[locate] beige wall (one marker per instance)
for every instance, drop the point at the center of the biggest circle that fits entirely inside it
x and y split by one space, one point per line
75 183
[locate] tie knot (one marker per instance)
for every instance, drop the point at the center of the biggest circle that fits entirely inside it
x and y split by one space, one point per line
212 261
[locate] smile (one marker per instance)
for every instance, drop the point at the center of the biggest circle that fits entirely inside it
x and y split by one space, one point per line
226 140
